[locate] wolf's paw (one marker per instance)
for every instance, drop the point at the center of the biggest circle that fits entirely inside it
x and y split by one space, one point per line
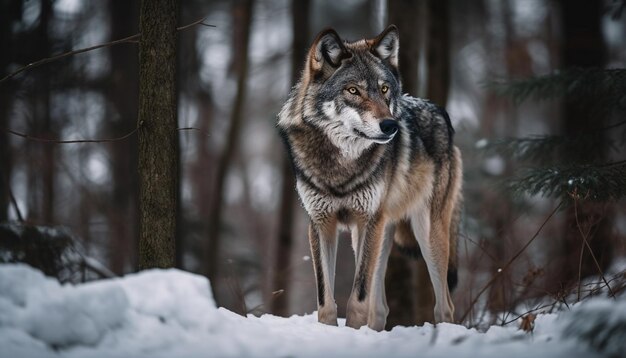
327 315
356 316
444 313
378 318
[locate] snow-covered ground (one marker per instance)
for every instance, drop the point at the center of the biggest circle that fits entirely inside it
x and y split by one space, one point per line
171 313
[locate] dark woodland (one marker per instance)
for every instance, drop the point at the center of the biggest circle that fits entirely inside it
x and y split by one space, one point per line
142 134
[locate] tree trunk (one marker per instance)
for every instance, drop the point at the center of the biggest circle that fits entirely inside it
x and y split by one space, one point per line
242 20
401 277
7 13
583 46
158 137
281 280
43 118
122 91
199 172
403 14
438 53
500 218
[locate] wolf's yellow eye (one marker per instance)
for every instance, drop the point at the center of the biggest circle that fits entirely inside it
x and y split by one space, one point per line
353 90
384 89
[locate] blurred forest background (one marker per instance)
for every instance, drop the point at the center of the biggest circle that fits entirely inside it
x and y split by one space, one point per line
535 90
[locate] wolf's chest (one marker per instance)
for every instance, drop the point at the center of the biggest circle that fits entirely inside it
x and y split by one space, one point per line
366 199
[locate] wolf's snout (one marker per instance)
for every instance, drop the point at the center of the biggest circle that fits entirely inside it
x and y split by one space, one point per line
389 127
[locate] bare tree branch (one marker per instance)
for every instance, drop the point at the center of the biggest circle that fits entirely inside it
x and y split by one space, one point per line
129 39
20 218
593 256
508 264
57 141
104 140
197 22
132 38
194 129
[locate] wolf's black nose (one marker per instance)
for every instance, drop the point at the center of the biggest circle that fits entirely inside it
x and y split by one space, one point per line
389 126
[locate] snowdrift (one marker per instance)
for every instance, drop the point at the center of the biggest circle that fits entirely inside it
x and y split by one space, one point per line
171 313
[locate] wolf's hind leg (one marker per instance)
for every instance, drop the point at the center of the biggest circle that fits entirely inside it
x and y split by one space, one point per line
433 239
323 241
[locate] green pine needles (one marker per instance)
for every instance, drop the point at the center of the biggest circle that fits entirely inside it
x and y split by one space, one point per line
595 89
575 166
583 181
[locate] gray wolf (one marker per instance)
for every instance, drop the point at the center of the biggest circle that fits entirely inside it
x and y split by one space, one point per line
375 162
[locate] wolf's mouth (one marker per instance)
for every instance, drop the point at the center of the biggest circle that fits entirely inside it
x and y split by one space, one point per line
383 139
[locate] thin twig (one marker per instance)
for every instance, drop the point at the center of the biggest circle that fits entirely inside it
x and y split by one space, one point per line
562 299
129 39
504 323
20 218
582 249
194 129
612 164
104 140
258 307
57 141
97 267
508 264
480 246
197 22
593 256
233 283
614 125
66 54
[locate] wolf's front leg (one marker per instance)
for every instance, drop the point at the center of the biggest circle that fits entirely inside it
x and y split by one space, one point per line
323 241
379 310
367 304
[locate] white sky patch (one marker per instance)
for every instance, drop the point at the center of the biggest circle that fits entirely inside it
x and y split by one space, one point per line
234 187
257 139
494 165
94 64
188 117
461 111
30 13
529 16
379 8
271 30
215 56
19 184
481 143
613 31
86 108
97 169
186 191
263 178
68 6
540 55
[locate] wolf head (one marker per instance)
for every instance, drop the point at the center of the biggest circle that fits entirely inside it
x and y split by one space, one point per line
349 89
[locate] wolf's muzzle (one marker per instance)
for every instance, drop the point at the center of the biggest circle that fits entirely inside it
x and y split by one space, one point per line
389 127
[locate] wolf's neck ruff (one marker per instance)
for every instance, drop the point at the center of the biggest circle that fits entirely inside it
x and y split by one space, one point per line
327 169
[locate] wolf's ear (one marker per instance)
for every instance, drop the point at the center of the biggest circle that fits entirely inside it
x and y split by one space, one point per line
386 45
327 52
